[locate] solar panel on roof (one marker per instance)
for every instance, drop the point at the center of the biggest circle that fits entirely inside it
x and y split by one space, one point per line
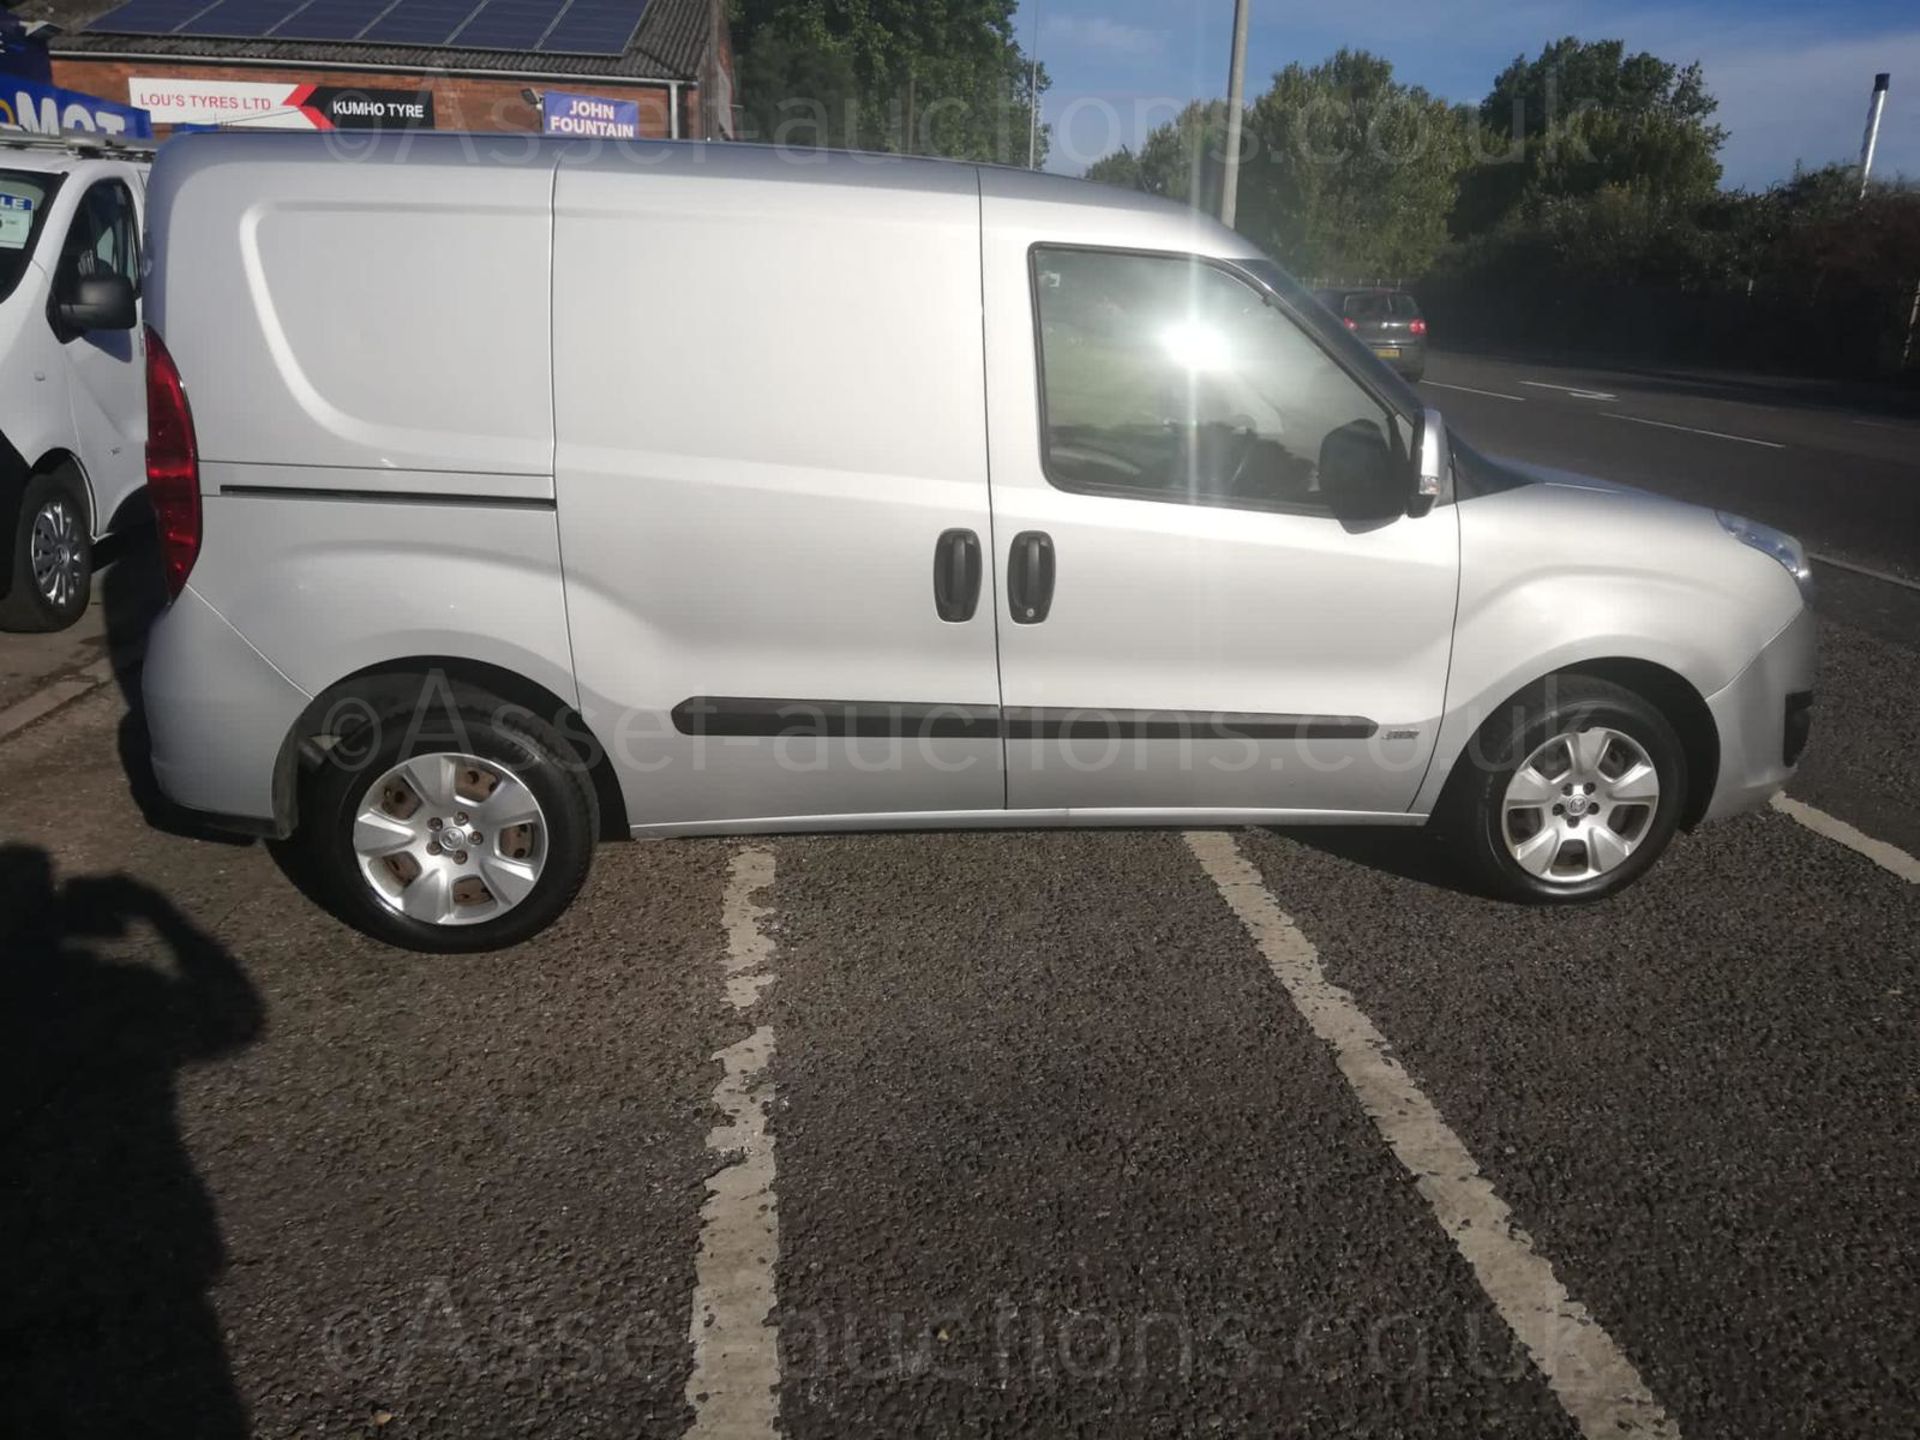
239 17
420 22
151 17
595 27
330 20
577 27
508 25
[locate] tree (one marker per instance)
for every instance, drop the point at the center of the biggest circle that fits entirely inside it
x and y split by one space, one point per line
1345 171
1586 117
1180 160
1570 75
1355 172
934 77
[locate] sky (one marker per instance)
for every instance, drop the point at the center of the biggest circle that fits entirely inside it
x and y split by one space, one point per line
1793 77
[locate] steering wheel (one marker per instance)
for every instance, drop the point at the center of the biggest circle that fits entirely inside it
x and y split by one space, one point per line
1099 459
1240 485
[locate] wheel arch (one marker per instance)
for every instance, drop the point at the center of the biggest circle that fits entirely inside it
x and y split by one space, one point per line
304 743
1685 709
15 473
1668 691
58 459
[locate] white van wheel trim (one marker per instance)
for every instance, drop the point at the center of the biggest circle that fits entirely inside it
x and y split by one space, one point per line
57 552
1580 806
450 839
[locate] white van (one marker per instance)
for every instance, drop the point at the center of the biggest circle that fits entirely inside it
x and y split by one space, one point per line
72 371
519 493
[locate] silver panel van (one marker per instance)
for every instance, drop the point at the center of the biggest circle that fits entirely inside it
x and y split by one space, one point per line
520 494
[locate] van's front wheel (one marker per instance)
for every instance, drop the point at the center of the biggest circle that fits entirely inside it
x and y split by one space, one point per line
474 839
1573 794
52 558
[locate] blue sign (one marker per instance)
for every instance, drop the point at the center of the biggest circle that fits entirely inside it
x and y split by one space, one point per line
22 54
49 110
563 114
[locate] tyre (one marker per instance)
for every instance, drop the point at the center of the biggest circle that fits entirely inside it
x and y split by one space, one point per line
1414 374
449 827
1571 794
52 557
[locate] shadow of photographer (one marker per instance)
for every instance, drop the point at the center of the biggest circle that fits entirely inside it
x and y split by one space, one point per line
111 1241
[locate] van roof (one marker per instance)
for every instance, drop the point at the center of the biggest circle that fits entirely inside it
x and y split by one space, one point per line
730 160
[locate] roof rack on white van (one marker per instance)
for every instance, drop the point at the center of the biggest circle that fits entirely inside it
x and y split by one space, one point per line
88 144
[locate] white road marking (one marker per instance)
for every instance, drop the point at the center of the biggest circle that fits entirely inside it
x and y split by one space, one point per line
1863 570
1576 391
1592 1378
49 698
1468 389
1694 430
1887 857
735 1385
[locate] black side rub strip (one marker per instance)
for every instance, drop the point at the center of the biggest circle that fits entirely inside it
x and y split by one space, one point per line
386 497
864 719
733 716
1181 725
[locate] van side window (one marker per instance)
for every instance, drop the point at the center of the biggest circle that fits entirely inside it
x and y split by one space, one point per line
104 238
1168 378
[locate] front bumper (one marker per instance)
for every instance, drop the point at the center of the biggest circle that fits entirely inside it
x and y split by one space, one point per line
1762 718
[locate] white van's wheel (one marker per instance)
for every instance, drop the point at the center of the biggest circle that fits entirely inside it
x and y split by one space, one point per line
52 558
1571 796
474 842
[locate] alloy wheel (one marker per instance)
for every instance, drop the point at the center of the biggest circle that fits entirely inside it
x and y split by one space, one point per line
1580 806
56 550
450 839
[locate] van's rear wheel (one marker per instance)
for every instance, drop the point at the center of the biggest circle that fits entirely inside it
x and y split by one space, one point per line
52 558
469 829
1573 794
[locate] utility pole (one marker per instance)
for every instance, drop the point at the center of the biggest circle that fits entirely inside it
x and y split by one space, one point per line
1236 101
1872 141
1033 93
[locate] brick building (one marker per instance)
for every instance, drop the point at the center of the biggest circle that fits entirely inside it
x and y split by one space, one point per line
675 70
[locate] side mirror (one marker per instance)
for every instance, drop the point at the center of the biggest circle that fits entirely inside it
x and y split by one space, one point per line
1358 474
97 302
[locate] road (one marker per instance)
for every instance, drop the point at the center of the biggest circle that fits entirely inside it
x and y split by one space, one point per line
1792 454
1093 1134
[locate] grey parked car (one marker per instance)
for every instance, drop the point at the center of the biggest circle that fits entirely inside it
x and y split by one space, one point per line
718 493
1389 322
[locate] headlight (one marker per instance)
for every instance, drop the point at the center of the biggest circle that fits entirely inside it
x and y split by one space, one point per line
1791 554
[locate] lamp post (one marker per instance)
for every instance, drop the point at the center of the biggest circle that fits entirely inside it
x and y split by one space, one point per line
1875 108
1033 93
1236 99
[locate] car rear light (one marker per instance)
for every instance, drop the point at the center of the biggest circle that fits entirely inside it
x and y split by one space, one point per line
173 465
1348 323
1418 327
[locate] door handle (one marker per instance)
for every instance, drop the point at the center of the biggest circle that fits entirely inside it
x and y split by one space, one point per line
1030 577
956 576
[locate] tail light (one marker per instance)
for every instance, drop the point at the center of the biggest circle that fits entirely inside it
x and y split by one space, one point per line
1348 323
1418 327
173 465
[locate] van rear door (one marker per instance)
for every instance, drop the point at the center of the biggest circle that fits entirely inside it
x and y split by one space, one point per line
771 475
